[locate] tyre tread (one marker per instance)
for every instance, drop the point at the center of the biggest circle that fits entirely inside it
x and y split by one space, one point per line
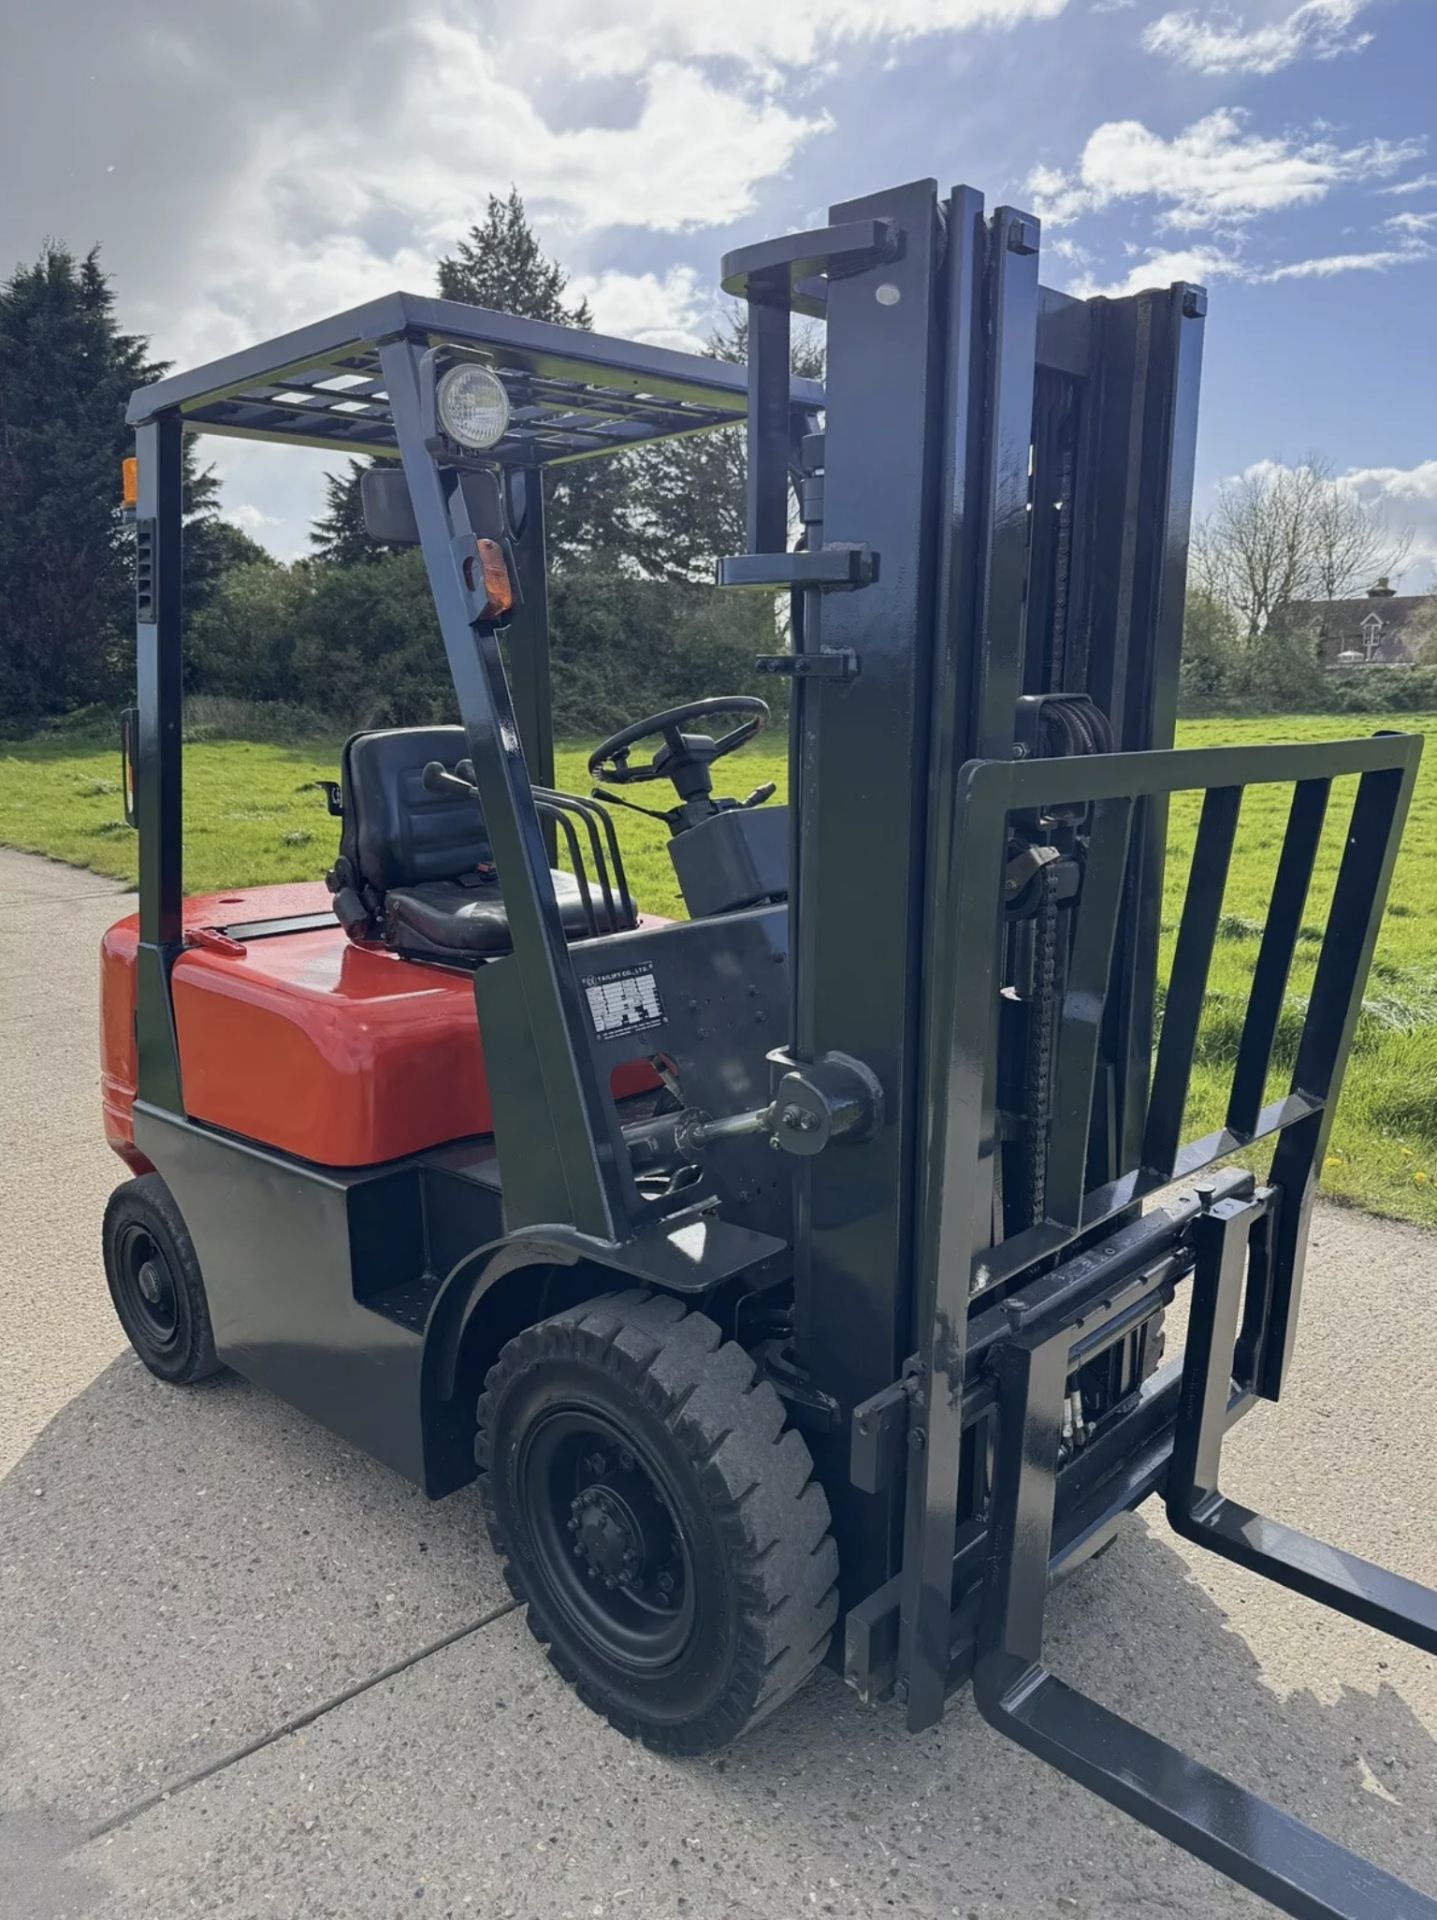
148 1193
754 1471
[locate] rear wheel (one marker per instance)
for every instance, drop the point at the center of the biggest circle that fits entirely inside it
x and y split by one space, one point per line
155 1282
658 1517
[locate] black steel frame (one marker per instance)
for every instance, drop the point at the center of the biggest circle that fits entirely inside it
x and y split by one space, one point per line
355 382
1247 1255
995 485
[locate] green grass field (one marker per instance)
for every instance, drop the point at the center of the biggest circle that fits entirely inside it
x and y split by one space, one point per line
253 815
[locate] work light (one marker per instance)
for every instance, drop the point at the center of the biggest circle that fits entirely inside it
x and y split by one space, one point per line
473 407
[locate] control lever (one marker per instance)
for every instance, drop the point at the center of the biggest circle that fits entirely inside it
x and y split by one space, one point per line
437 779
613 800
760 794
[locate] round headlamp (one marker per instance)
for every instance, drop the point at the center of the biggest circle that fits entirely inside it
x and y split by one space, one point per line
473 407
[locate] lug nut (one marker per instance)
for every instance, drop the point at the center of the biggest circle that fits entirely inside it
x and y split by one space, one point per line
597 1463
626 1460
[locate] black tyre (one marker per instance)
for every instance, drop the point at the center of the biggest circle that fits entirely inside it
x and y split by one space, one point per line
660 1520
155 1282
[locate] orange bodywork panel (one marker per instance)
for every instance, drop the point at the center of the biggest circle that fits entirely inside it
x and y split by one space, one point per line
340 1054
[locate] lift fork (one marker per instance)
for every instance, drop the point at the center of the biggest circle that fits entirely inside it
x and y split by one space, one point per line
1297 1870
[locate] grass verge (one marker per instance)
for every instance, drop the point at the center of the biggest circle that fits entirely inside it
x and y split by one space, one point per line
254 814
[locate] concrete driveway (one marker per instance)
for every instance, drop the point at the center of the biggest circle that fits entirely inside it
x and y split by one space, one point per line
245 1672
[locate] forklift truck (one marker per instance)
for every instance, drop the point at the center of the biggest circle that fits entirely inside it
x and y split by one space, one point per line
784 1275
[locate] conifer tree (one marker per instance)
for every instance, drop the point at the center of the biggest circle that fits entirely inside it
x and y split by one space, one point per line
66 555
500 265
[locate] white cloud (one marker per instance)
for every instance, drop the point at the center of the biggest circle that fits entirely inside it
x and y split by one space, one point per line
691 155
1161 269
1326 266
1421 183
627 36
668 310
1213 171
1218 42
281 489
253 519
322 216
1406 497
1413 226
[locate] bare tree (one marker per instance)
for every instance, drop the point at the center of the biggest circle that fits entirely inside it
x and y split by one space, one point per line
1351 543
1280 534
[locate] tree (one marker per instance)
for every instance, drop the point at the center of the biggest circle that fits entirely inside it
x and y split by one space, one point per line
1212 654
66 372
1351 544
1281 534
214 547
1280 666
500 265
625 646
242 641
66 553
689 495
338 536
1421 631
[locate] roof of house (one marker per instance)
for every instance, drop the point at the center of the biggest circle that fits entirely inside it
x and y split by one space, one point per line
1346 616
1343 624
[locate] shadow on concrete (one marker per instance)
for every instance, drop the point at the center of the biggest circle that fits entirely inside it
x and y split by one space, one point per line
1138 1632
182 1570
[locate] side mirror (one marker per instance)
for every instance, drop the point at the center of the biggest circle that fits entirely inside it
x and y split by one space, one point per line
387 508
389 512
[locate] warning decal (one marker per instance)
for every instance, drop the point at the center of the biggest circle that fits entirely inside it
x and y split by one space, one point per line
624 1002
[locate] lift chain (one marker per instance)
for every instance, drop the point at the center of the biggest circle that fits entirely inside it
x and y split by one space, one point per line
1040 1050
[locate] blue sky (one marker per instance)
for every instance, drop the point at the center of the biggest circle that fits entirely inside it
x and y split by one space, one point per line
247 169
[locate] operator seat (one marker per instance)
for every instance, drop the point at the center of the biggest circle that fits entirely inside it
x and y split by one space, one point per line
415 868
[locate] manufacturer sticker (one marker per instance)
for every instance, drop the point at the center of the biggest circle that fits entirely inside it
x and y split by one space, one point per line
624 1002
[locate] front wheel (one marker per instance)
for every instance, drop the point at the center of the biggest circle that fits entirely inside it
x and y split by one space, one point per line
660 1520
155 1282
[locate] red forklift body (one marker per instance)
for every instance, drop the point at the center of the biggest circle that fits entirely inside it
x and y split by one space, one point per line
341 1054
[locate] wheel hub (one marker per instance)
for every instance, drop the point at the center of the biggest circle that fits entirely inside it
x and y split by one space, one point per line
149 1288
608 1535
607 1538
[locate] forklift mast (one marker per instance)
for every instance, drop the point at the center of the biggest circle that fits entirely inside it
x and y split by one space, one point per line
988 621
1008 472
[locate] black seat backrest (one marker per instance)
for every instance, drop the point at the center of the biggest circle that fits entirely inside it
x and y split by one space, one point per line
396 833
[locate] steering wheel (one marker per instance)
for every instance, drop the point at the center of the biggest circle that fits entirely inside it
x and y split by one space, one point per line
610 760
